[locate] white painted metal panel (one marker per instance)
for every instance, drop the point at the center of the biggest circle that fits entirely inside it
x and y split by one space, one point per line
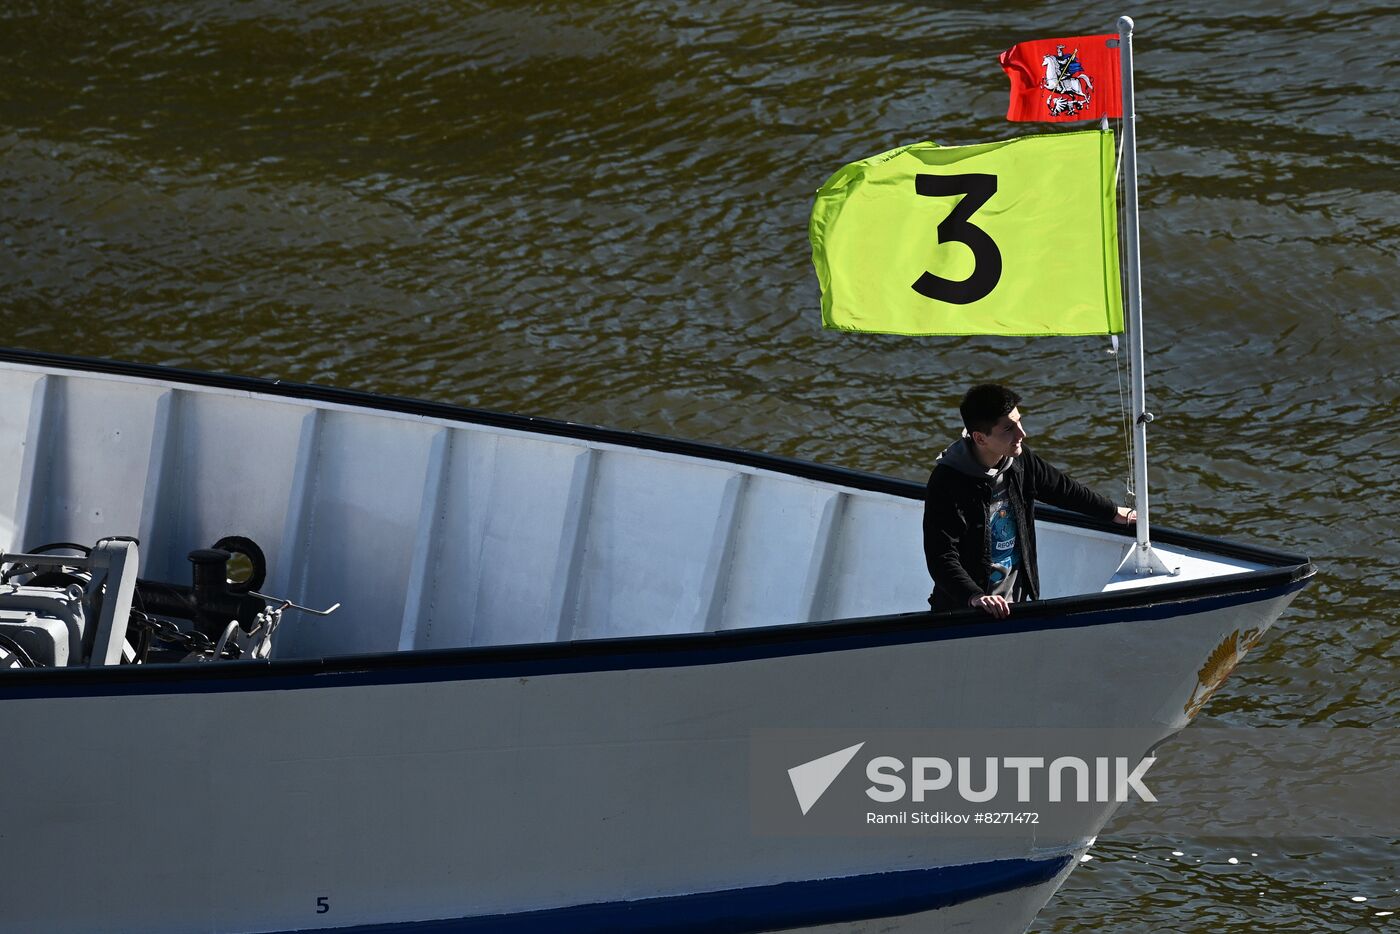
1079 561
503 551
651 533
18 426
1074 560
778 552
879 563
351 535
221 465
90 466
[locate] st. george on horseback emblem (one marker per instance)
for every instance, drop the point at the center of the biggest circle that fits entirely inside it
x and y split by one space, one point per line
1070 86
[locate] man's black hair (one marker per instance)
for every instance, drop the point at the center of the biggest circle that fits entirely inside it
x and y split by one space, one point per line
984 406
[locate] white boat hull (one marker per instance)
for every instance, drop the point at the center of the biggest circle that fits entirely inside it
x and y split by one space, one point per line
244 800
550 699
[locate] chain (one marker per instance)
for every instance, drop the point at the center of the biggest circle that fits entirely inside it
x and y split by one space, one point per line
166 631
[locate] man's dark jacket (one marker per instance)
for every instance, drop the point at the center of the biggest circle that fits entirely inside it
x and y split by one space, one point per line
956 504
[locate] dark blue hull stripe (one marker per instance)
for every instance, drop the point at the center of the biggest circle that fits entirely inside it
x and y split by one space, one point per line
536 660
761 908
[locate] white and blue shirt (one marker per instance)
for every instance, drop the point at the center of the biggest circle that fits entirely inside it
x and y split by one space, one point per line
1001 539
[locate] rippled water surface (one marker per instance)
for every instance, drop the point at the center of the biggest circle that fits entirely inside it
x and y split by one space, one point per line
598 212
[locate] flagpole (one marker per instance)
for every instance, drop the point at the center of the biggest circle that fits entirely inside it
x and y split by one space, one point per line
1144 560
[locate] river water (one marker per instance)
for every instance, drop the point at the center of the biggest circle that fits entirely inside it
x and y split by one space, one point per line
597 212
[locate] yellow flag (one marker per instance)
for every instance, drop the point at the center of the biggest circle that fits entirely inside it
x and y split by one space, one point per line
1017 237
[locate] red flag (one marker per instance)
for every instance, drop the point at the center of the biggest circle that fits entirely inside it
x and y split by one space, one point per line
1060 80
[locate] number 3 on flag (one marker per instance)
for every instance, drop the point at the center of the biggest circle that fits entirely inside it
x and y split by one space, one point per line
958 227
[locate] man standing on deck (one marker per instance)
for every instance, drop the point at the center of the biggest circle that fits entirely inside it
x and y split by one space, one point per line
979 508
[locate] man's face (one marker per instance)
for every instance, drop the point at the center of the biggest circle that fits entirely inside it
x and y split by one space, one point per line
1004 440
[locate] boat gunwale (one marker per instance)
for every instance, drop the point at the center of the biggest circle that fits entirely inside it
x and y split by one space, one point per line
624 653
1286 572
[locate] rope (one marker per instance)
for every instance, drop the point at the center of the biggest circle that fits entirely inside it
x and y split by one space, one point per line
1125 421
1124 416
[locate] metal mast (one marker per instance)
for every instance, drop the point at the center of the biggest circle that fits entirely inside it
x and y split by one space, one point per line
1142 559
